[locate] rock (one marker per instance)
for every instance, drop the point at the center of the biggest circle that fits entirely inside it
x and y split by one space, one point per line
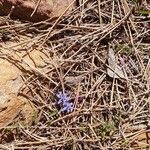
36 58
32 10
28 112
12 105
10 80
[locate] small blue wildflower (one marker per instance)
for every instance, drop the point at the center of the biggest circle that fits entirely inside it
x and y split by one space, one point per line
64 102
67 107
62 97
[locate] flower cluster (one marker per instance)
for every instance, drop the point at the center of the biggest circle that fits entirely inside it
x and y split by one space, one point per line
64 102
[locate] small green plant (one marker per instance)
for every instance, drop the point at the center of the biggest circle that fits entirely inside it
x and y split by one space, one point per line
84 127
34 116
53 113
144 12
125 143
124 49
107 129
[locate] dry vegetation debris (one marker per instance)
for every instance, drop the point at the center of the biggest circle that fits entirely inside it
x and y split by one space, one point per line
106 112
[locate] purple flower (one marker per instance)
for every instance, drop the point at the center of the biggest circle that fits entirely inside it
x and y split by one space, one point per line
123 61
67 107
62 97
64 102
127 63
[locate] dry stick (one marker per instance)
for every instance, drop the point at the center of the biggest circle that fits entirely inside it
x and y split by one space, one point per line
130 19
138 112
107 31
58 128
39 98
97 32
112 16
99 81
114 27
119 8
112 92
48 34
73 114
77 94
73 137
79 27
60 74
89 34
100 14
137 55
26 82
40 72
78 7
36 7
135 114
35 39
49 142
94 103
11 11
147 71
33 135
100 145
81 11
14 26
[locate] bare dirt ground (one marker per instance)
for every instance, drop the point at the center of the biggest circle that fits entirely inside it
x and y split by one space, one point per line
78 80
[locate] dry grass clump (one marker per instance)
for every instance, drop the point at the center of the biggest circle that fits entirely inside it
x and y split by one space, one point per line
108 113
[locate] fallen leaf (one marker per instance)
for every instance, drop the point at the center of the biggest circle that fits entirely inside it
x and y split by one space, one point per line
114 70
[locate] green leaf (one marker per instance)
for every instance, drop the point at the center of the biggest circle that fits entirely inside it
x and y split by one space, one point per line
53 113
144 12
